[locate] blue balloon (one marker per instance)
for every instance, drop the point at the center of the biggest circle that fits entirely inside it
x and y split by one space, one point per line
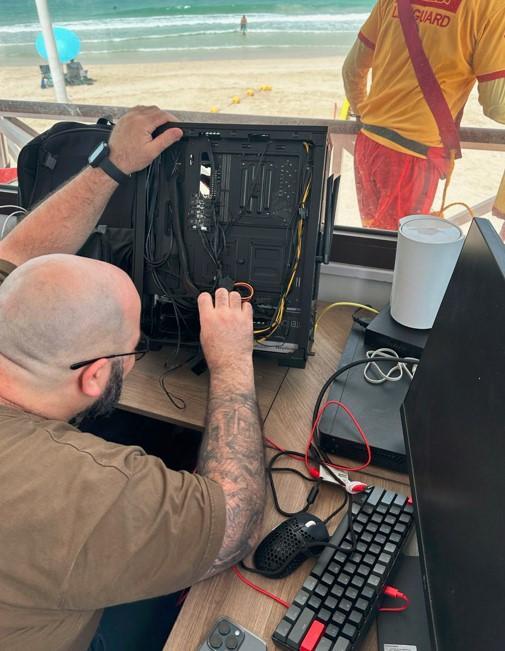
68 44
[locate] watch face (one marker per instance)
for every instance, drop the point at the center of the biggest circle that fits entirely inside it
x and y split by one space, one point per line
98 154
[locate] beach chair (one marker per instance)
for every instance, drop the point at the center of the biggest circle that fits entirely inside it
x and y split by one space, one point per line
46 80
76 75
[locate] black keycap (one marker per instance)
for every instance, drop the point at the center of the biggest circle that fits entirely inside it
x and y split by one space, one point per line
318 569
292 613
395 510
356 617
358 528
350 568
368 593
395 538
310 583
361 605
382 508
345 605
358 581
356 558
301 598
301 627
338 618
368 559
321 591
389 548
375 497
351 593
341 558
282 631
367 508
405 518
367 537
331 603
361 547
344 579
375 549
349 631
324 644
363 570
377 518
400 528
379 569
341 645
362 517
399 499
389 519
334 568
332 631
337 590
372 528
388 497
408 508
327 578
373 581
385 559
356 507
324 615
314 602
384 531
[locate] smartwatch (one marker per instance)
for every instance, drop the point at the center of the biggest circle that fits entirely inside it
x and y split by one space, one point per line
99 157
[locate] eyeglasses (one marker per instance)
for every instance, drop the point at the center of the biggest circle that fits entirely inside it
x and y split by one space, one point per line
142 349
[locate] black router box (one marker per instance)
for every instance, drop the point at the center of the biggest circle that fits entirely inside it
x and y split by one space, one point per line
376 408
384 332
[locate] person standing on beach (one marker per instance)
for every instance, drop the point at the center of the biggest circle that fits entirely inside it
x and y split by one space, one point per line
399 157
243 25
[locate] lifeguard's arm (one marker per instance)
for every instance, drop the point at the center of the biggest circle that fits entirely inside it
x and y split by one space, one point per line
355 74
492 98
63 221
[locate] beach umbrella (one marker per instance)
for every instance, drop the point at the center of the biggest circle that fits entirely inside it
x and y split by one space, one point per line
68 44
52 53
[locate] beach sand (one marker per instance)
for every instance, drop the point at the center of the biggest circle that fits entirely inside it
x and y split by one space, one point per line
308 87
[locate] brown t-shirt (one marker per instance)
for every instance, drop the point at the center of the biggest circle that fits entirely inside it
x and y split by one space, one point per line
86 524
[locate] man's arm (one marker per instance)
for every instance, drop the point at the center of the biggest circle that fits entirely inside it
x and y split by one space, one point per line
355 74
232 452
63 221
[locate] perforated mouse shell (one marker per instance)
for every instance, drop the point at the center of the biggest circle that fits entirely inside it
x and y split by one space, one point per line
286 546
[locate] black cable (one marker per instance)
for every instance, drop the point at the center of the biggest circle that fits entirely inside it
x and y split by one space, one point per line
313 493
343 369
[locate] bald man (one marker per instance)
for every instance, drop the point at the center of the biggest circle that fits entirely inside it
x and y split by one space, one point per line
88 524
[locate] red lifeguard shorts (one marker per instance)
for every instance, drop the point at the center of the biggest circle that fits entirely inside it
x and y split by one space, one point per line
391 185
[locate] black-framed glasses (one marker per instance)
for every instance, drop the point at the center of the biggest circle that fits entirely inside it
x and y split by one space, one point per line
141 350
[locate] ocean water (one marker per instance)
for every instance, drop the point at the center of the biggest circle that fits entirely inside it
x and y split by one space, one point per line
114 31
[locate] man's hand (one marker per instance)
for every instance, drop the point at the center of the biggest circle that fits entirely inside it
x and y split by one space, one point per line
131 144
226 331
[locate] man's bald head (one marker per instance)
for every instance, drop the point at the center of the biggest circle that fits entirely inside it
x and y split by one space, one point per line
59 309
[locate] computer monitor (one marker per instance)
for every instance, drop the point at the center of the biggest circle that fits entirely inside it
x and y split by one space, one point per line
454 426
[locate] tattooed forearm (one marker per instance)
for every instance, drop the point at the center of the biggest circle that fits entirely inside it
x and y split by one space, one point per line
232 454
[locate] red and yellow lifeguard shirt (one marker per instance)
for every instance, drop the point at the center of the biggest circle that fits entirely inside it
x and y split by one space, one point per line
464 41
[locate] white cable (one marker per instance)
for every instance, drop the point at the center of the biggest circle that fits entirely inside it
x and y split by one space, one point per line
11 205
395 373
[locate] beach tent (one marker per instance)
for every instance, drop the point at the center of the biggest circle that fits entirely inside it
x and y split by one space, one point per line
52 53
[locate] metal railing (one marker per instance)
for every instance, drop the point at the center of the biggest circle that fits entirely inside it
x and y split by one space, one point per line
15 133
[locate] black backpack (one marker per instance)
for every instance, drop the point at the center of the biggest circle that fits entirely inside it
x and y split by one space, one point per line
57 155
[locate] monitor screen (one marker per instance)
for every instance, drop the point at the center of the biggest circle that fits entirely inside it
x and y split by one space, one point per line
454 427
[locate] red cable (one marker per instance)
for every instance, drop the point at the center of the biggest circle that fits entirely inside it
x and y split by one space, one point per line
310 468
392 592
252 585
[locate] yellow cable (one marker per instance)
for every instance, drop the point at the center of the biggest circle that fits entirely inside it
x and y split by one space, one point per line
344 304
444 207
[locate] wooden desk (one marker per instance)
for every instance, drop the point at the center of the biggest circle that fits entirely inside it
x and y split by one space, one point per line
286 402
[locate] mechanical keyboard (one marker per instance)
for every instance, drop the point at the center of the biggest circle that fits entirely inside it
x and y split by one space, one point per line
337 602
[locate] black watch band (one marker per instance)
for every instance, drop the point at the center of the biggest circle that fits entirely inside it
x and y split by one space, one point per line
113 171
99 157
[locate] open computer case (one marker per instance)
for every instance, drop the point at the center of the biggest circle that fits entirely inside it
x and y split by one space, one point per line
239 206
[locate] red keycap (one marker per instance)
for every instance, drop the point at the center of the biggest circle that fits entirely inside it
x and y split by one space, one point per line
314 634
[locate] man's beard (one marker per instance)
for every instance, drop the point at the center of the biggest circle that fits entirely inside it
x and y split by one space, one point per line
106 403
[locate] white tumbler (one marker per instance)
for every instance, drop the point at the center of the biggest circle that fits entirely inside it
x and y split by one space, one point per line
427 250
